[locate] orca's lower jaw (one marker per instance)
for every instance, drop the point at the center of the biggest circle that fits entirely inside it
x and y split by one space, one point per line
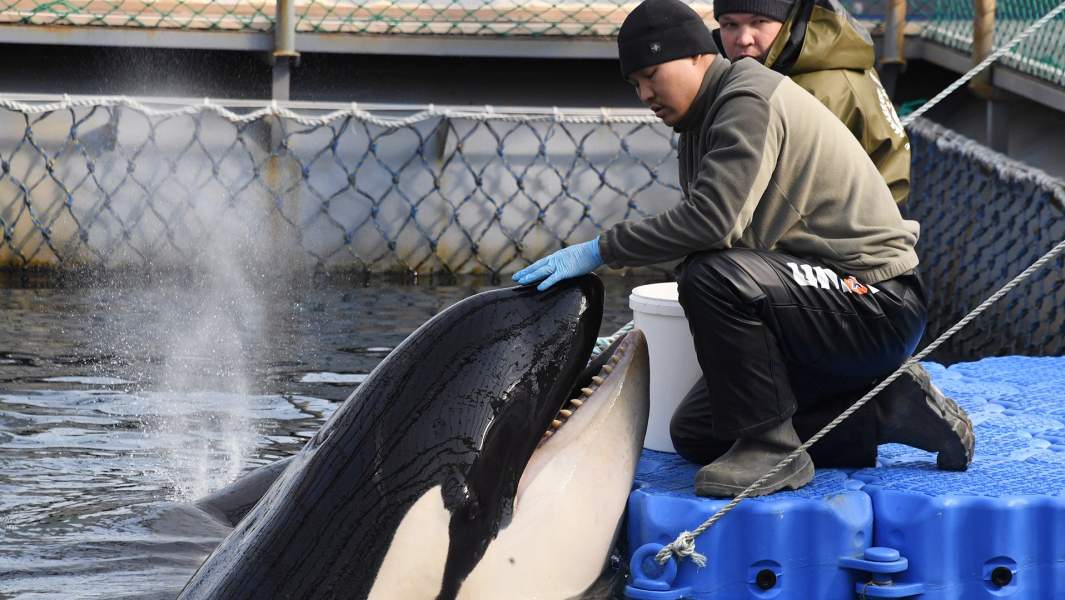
615 382
573 489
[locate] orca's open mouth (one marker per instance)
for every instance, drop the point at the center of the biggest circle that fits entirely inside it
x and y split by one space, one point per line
598 373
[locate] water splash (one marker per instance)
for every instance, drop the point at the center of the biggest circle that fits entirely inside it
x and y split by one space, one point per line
203 440
208 361
208 335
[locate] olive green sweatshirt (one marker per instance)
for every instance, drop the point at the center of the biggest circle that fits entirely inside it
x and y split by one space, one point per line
765 165
836 65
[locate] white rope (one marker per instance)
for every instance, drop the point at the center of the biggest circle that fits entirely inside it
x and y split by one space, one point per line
276 109
684 545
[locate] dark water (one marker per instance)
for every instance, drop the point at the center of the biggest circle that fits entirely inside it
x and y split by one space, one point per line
121 401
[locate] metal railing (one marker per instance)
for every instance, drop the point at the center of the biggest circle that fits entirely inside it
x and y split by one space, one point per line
977 26
971 26
442 17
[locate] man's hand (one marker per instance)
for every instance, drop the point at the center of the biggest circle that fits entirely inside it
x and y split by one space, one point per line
573 261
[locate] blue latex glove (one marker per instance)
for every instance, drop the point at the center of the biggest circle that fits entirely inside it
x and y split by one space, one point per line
572 261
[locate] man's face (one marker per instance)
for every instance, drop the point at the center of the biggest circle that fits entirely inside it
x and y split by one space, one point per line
748 35
669 88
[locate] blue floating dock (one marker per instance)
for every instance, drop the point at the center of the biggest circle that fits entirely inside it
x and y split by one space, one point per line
901 530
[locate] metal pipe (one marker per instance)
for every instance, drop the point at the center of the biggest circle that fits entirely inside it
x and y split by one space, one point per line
285 55
983 44
894 34
285 29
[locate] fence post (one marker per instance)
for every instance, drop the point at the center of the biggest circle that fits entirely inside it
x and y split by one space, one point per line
997 115
893 55
285 55
983 42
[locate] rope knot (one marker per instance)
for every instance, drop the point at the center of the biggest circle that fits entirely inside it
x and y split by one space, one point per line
683 547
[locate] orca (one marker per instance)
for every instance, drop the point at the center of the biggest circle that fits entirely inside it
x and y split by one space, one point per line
463 467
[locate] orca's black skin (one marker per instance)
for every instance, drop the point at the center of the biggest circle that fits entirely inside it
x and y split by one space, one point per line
461 403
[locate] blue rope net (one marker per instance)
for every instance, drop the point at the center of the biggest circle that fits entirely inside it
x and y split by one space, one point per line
985 218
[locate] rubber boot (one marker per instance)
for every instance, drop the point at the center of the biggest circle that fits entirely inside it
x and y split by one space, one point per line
750 458
912 411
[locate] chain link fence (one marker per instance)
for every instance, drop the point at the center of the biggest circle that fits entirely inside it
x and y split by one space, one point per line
249 15
581 18
1042 55
949 22
468 17
115 184
119 184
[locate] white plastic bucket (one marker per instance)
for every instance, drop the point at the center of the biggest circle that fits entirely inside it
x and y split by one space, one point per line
674 369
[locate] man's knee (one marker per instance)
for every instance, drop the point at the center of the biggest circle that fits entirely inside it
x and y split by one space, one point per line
717 275
700 272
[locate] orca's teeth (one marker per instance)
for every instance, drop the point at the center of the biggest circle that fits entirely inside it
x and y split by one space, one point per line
597 380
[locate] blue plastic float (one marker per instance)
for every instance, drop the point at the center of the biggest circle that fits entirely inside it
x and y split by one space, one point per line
900 530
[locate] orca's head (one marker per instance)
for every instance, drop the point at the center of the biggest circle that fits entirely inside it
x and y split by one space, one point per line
536 513
561 439
436 471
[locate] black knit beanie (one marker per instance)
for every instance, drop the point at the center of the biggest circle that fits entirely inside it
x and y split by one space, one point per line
659 31
774 9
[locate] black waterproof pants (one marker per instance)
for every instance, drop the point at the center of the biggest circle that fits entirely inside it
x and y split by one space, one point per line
779 336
